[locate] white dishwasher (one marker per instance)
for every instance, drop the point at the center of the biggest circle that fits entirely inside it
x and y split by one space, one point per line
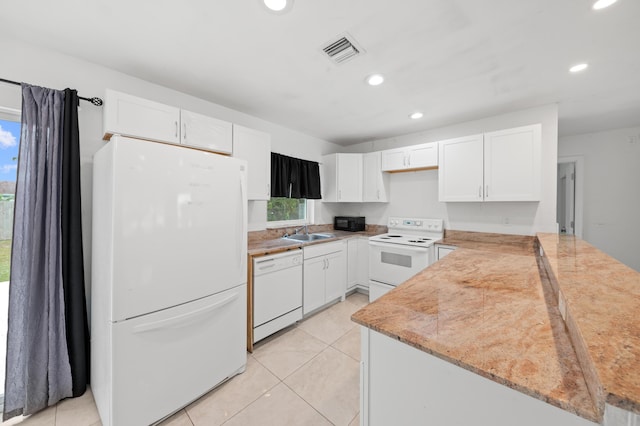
277 292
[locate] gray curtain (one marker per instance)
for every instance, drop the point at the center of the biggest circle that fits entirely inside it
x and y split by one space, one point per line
38 370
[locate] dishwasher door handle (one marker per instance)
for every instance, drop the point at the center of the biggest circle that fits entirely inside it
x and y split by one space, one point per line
267 266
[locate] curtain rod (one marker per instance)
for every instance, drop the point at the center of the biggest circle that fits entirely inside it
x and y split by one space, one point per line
95 101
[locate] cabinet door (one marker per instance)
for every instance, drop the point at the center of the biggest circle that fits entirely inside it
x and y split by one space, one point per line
460 172
512 164
336 276
375 183
349 177
422 156
129 115
363 262
352 263
313 284
254 147
394 159
206 132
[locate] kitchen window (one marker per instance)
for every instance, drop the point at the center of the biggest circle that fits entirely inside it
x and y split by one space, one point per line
283 212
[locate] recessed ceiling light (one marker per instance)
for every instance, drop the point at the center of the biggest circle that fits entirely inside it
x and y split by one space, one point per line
601 4
375 80
578 68
416 115
278 6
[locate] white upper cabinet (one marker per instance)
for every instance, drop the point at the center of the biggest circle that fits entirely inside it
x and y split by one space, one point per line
342 178
423 156
394 159
254 147
206 132
140 118
129 115
460 174
375 183
497 166
512 164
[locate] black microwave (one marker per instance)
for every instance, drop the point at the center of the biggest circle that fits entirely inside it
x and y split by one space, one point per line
348 223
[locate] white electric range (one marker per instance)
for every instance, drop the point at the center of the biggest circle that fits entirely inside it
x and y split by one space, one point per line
401 253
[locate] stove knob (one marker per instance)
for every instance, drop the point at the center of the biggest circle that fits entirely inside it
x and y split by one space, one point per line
418 223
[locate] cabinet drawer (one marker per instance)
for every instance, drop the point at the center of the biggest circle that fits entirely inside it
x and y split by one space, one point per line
323 249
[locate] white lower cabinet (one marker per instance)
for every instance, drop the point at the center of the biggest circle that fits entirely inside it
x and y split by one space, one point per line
402 385
357 263
324 274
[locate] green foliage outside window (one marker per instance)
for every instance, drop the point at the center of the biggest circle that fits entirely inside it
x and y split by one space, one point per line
286 209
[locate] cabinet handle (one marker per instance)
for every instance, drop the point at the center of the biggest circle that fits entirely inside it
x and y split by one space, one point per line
480 191
268 189
409 161
378 193
327 263
184 126
487 192
176 123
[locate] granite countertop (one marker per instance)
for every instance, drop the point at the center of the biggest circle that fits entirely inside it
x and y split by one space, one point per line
487 308
270 242
600 298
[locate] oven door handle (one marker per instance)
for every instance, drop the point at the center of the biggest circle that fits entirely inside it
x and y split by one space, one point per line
391 246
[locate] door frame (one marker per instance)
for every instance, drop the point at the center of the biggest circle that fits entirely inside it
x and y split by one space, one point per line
579 190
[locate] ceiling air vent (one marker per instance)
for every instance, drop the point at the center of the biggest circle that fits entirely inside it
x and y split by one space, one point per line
343 49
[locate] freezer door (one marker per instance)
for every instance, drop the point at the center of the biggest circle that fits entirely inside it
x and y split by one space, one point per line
179 225
165 360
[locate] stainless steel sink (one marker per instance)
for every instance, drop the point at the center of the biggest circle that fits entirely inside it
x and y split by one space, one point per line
309 237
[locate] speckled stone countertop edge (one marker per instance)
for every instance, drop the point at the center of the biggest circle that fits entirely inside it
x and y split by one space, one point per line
587 414
595 369
526 246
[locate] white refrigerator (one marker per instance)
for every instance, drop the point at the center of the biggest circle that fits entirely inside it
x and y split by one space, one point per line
168 299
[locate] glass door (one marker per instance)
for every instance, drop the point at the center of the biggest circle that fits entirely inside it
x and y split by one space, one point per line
9 142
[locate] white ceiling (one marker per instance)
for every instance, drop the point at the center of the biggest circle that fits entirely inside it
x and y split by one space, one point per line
455 60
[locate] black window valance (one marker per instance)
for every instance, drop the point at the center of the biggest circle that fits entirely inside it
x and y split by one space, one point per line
294 178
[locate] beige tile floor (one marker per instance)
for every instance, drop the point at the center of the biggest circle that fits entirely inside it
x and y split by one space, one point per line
307 374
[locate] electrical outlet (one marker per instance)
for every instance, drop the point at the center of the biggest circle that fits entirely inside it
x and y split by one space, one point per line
505 221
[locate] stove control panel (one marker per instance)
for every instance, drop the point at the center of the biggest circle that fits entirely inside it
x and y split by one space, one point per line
416 224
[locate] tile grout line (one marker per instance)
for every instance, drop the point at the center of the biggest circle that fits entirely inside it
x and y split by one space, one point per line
308 403
259 396
249 404
188 416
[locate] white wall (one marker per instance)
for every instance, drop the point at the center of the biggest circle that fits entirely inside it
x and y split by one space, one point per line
611 190
21 62
416 193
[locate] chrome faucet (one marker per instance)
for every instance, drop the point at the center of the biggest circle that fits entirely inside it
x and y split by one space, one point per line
306 230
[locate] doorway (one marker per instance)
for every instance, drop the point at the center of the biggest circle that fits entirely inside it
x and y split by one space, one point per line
569 195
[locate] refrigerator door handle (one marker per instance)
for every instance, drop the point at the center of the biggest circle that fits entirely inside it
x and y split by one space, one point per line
179 320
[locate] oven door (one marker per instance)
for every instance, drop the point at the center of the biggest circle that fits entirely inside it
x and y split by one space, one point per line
395 263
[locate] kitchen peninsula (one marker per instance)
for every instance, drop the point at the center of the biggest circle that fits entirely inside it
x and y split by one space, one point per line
480 337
